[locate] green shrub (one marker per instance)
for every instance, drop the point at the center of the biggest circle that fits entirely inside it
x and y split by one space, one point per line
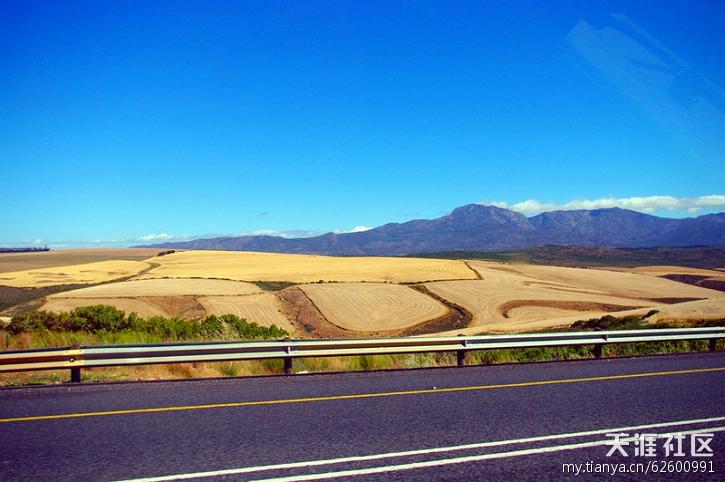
108 321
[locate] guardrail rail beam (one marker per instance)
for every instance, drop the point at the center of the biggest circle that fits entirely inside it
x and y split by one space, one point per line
76 358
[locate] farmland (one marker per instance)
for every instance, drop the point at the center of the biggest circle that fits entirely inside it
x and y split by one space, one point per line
313 296
50 259
524 297
247 266
163 287
98 272
373 306
264 309
140 306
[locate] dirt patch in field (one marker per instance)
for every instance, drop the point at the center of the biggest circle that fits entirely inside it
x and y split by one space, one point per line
181 306
698 280
457 317
713 284
306 318
273 285
674 301
563 305
16 300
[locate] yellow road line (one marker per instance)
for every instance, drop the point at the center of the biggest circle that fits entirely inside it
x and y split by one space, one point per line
357 396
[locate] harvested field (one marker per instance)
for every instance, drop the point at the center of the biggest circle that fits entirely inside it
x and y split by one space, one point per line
182 306
667 270
168 297
533 309
264 309
507 305
49 259
712 309
248 266
373 306
524 297
142 307
305 316
713 279
164 287
76 274
610 283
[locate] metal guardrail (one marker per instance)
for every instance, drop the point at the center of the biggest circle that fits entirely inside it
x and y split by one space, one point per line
79 357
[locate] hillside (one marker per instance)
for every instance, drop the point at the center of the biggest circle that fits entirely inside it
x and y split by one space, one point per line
487 228
690 256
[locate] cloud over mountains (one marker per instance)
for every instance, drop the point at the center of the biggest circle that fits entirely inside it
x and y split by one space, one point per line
647 204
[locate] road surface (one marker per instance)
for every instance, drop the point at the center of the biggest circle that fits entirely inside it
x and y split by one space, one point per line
507 422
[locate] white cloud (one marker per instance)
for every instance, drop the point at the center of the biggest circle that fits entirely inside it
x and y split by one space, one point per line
289 233
155 237
356 229
645 204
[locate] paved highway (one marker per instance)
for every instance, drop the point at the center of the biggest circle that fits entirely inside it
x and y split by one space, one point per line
475 423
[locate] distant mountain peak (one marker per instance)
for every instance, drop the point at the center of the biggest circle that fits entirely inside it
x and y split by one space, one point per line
480 213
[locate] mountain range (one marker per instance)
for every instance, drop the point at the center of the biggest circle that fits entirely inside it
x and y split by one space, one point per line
476 227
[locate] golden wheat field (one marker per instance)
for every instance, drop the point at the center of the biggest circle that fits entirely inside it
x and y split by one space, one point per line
263 309
98 272
669 270
373 306
297 268
626 285
67 257
519 297
141 306
163 287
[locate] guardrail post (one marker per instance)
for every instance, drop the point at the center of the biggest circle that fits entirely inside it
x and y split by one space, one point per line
75 372
598 350
713 344
461 355
288 359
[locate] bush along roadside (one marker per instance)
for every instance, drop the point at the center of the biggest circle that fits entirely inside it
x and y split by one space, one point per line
103 320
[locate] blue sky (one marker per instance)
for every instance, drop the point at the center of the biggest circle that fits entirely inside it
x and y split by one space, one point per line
129 121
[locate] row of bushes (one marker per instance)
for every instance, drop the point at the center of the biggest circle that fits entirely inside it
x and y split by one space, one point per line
108 319
609 322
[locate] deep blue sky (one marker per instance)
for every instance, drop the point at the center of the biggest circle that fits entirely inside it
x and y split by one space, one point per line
123 119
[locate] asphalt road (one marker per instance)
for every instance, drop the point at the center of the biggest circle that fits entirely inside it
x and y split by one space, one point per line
511 422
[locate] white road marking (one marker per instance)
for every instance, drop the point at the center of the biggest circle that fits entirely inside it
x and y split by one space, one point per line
461 460
408 453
